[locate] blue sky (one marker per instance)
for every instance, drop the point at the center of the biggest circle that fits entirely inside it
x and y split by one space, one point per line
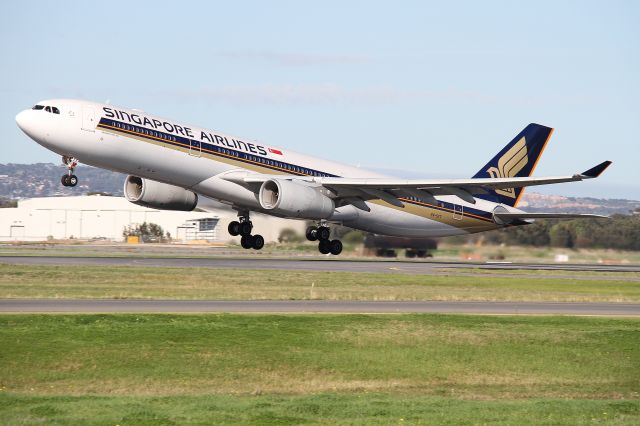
429 89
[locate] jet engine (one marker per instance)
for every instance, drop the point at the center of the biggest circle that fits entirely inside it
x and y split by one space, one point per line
292 199
157 195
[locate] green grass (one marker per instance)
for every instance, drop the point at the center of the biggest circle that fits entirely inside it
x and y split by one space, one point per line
429 354
275 369
327 408
41 281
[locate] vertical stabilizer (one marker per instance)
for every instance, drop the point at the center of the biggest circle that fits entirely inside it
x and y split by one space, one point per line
517 159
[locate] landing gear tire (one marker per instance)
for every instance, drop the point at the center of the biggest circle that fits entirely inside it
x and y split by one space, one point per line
323 233
234 228
246 228
257 242
335 247
312 233
246 242
69 180
324 246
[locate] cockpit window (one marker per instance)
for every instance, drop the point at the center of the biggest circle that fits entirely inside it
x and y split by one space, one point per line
47 108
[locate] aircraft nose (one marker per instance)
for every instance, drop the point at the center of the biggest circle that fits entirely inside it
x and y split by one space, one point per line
23 120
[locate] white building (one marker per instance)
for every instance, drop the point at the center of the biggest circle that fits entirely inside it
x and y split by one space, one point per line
95 216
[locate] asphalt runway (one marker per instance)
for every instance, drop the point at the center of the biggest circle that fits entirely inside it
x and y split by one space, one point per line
312 306
320 265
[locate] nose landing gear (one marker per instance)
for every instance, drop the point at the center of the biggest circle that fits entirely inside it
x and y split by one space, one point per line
244 227
69 179
321 234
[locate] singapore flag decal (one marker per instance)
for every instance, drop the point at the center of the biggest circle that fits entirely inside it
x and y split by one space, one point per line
275 151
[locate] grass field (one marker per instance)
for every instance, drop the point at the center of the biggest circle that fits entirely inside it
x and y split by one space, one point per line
21 281
275 369
326 408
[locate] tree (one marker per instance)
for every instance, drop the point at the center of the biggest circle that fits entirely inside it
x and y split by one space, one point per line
7 203
560 236
288 235
353 237
148 232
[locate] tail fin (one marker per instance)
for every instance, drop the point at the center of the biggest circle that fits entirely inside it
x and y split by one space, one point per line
517 159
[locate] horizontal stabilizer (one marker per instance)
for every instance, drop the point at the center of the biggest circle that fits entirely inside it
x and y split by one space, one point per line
501 217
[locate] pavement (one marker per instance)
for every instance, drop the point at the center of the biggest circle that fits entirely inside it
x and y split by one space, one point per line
289 264
312 306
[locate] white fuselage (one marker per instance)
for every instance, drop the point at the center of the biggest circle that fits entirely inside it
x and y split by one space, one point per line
194 158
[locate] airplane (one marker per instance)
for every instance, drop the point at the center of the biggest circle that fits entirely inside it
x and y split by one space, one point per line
170 164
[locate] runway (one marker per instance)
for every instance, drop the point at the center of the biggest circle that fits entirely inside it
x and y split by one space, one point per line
289 264
312 306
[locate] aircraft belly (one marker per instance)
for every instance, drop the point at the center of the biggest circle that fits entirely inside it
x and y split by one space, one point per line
228 192
386 221
415 222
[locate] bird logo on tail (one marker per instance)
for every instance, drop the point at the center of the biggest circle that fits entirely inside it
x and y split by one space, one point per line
510 164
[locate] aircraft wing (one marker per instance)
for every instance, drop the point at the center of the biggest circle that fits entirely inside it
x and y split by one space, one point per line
390 189
462 188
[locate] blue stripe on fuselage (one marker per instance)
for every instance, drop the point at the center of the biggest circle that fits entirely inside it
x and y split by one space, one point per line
253 159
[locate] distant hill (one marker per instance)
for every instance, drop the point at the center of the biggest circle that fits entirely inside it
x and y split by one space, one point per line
43 180
534 202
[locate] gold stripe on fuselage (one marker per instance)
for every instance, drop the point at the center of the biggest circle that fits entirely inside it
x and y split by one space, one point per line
461 220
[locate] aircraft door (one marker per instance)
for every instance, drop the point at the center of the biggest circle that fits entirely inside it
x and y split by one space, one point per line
88 119
457 212
195 148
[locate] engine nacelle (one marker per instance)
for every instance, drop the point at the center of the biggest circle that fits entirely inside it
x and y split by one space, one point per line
291 199
157 195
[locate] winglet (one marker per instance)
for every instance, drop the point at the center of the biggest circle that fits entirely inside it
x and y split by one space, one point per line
596 171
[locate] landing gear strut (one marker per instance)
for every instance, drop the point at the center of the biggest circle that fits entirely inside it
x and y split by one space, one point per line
244 227
69 179
321 234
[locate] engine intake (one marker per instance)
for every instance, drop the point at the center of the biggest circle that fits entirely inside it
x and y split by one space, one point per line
158 195
292 199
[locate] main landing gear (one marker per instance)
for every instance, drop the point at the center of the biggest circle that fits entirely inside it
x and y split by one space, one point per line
321 234
69 179
244 227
